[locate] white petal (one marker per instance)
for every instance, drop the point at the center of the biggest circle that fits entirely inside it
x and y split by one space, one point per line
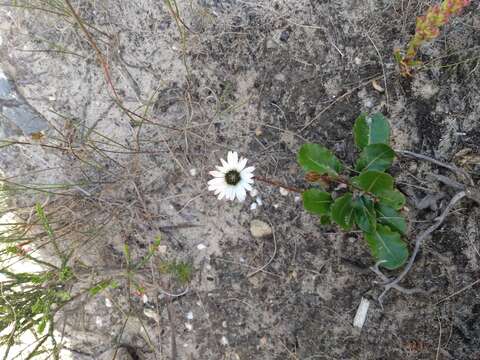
232 158
247 177
247 186
225 164
241 194
228 193
217 174
215 182
249 169
233 192
216 188
221 195
241 164
249 181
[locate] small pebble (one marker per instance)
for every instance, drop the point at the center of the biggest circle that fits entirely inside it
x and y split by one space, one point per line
108 303
189 326
224 341
99 321
190 315
193 172
144 298
224 324
284 192
259 201
297 198
259 228
254 192
253 206
201 247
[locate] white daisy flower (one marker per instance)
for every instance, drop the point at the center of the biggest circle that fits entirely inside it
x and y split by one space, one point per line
232 179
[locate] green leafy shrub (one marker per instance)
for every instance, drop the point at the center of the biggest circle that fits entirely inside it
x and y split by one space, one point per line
370 201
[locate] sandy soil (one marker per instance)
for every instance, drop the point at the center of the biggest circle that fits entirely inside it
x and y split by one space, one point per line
260 78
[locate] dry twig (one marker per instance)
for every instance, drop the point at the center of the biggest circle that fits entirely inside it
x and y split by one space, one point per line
418 243
468 191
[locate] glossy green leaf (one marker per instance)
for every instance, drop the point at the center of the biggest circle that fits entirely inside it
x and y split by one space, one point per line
375 157
388 247
313 157
375 182
325 220
364 214
316 201
390 217
392 197
343 211
371 129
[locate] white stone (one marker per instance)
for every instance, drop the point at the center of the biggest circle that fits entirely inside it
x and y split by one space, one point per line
253 206
193 172
259 228
190 315
189 326
361 314
201 247
284 192
108 303
224 341
254 192
259 201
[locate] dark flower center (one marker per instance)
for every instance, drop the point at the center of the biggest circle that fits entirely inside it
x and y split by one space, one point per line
232 177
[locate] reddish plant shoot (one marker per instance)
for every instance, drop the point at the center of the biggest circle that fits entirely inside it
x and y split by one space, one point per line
428 28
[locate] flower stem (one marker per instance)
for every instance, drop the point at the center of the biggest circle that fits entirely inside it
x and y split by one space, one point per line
278 184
